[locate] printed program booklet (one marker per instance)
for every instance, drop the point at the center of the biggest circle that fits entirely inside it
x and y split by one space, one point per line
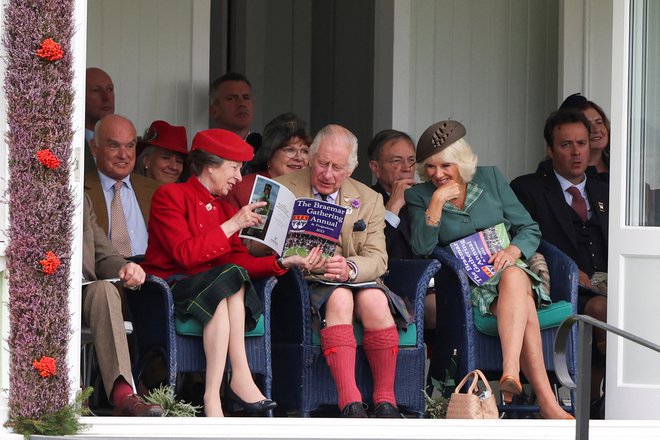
293 226
475 250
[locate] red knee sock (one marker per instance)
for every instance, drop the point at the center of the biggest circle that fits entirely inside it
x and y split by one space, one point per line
381 347
120 390
338 344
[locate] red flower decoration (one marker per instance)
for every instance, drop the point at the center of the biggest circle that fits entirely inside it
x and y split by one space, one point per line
48 159
50 50
50 263
46 366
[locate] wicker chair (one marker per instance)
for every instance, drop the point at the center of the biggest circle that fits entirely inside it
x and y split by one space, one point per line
456 329
302 378
154 325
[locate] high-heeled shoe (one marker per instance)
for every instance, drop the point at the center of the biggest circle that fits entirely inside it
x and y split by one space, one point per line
239 404
510 386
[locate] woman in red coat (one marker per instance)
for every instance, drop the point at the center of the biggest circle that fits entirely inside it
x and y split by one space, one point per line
194 245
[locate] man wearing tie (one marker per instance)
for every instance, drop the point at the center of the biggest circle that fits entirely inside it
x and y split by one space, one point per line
572 211
121 200
360 257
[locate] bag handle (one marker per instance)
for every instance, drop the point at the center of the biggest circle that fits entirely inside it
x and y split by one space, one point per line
476 375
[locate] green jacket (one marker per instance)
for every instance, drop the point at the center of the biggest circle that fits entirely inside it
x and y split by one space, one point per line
496 204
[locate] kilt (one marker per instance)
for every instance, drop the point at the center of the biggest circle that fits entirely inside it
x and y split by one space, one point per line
402 311
197 296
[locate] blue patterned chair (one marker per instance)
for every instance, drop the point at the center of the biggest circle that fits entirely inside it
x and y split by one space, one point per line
302 378
155 328
457 322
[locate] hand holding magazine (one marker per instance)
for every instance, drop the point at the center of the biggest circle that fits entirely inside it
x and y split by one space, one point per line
474 252
293 226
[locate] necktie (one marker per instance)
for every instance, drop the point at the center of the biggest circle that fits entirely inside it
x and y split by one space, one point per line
118 229
578 204
324 197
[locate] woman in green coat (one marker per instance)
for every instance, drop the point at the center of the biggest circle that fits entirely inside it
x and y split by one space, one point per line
458 199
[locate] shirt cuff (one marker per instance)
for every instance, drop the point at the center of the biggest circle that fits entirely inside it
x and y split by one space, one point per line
392 219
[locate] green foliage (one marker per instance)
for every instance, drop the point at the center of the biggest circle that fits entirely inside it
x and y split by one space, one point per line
164 396
436 408
63 422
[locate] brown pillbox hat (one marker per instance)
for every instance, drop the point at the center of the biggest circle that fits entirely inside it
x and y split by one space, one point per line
438 137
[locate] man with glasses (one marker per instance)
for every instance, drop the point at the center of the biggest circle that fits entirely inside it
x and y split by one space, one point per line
391 160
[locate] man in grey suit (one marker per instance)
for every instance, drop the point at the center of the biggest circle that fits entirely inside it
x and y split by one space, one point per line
102 311
114 146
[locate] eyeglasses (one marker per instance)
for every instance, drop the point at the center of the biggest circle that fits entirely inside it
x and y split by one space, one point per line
397 162
291 152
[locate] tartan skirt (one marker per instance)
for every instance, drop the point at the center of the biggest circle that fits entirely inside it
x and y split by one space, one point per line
402 310
197 296
482 296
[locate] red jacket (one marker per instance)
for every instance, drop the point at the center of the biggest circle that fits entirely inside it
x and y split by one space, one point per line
185 236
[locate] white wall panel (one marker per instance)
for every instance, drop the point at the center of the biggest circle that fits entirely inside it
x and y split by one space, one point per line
156 52
493 66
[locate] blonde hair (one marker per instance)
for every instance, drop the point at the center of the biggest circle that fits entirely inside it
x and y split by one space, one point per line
459 153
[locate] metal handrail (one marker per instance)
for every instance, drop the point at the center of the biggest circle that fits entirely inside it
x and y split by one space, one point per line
585 339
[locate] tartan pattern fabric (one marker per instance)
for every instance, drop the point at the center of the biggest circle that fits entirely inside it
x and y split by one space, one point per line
472 195
482 296
198 296
118 229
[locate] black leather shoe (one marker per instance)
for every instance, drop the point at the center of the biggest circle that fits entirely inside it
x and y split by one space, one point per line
133 406
253 408
354 410
385 410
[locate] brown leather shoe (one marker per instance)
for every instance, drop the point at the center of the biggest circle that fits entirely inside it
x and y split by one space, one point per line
133 406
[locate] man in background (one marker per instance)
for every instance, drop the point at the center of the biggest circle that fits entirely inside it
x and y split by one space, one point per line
99 102
572 212
231 106
391 160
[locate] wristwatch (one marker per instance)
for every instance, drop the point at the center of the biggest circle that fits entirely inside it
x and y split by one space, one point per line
280 263
352 271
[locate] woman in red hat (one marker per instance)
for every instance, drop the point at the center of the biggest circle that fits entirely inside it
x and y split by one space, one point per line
164 149
194 245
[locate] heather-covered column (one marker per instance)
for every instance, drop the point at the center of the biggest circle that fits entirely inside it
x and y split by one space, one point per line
38 86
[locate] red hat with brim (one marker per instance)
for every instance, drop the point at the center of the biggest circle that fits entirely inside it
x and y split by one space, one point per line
224 144
163 135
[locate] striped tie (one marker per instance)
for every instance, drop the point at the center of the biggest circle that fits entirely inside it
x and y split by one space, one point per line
118 229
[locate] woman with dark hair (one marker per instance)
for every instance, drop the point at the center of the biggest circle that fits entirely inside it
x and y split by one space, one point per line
194 245
284 149
599 136
457 199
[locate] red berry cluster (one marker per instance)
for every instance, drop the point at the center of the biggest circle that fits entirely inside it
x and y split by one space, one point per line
50 263
48 159
50 50
45 366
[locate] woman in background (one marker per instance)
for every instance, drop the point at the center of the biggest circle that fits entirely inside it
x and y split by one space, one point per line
284 149
163 151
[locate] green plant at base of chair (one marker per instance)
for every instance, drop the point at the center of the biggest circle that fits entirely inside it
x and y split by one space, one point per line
63 422
436 408
164 396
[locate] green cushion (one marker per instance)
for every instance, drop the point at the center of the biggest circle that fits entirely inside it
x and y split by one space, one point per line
407 338
551 316
192 327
